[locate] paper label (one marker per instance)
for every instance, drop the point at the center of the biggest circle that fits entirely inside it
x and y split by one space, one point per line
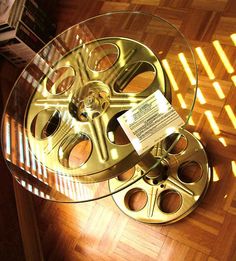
150 121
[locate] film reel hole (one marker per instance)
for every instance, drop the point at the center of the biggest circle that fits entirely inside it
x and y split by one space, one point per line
127 175
60 80
102 57
136 199
169 201
155 181
180 145
115 133
135 78
74 151
45 123
190 172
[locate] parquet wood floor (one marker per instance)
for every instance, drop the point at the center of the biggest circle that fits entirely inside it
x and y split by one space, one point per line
98 230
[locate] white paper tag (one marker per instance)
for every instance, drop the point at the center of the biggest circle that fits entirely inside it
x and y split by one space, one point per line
150 121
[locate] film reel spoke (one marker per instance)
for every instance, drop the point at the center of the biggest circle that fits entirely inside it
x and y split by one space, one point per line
158 150
99 141
60 102
179 186
152 200
82 66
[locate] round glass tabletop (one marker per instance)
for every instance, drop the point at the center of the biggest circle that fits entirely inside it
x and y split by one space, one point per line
61 136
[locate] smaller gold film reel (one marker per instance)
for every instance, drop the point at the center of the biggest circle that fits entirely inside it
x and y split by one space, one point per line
180 182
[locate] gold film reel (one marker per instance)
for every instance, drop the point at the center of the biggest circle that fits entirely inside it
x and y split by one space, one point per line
172 190
72 115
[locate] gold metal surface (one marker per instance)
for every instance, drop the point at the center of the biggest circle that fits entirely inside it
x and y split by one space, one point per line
79 101
171 195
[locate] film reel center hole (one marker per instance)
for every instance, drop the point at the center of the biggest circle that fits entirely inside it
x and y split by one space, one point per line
135 78
60 80
127 175
74 151
103 57
114 131
136 199
169 201
45 123
190 172
180 145
156 180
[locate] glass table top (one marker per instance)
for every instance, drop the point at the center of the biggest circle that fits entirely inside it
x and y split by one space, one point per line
61 137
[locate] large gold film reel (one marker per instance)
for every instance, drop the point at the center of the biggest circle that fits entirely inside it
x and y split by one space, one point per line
72 116
170 192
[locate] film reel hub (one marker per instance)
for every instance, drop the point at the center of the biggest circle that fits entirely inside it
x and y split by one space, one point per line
155 175
159 174
90 102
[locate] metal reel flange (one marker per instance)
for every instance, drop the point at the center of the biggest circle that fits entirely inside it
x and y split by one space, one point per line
169 196
72 116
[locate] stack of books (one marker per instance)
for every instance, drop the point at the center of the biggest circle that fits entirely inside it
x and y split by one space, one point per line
24 29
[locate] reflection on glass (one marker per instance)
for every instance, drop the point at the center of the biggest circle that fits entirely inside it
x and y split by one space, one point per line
27 153
21 149
8 137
